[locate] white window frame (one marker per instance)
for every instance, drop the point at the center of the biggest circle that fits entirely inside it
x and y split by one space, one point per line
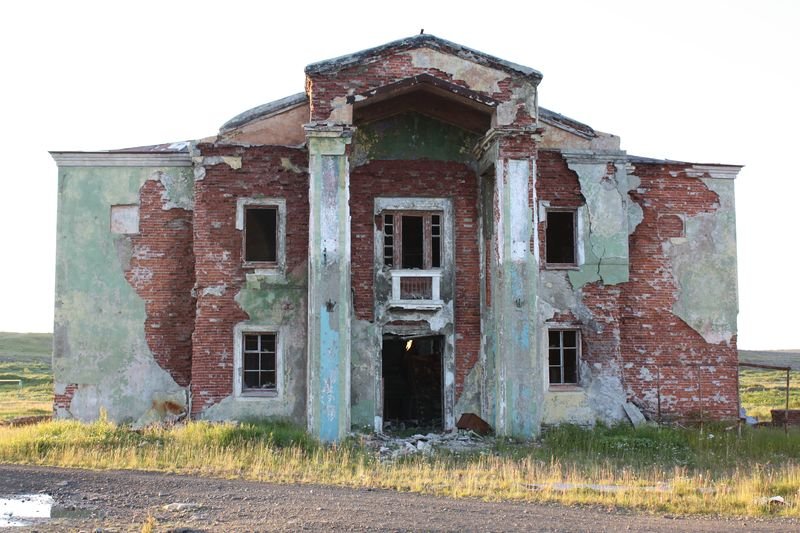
262 267
239 332
578 356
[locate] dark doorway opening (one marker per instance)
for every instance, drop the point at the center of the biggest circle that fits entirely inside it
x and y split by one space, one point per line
412 382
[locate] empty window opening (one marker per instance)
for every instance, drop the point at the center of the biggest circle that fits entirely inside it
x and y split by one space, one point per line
563 356
259 363
261 236
412 240
560 238
412 382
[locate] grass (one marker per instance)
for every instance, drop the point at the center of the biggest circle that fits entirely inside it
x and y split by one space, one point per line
763 390
26 356
710 472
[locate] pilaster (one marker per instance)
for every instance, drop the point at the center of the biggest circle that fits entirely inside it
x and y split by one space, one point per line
329 294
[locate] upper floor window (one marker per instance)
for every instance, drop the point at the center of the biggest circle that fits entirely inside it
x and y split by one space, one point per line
560 238
412 240
263 224
261 234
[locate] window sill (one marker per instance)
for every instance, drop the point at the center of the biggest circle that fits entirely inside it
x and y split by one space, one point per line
559 266
257 395
557 387
418 305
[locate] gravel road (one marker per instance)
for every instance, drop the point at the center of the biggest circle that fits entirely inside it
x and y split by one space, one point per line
123 500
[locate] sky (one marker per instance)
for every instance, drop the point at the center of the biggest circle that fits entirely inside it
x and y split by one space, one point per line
708 82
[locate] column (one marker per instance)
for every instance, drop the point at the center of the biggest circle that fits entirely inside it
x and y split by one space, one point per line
518 368
329 294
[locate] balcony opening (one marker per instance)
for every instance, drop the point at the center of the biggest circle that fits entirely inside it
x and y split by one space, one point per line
413 242
412 382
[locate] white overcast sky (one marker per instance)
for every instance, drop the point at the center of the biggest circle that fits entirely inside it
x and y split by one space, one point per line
702 81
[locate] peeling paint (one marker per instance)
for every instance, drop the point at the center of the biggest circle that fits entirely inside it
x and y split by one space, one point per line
99 320
704 268
477 77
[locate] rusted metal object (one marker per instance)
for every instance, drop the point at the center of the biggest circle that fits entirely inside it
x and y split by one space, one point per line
473 422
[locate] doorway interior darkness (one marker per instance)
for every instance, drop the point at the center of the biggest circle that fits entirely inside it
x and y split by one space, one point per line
412 382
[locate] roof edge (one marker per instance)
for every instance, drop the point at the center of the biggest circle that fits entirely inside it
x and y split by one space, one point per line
430 41
121 159
264 110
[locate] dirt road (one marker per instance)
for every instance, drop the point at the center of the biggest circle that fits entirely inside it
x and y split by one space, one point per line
123 500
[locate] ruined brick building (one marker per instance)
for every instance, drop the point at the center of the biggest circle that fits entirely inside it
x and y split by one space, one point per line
411 238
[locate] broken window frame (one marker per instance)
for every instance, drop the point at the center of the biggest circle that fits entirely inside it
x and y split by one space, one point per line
563 384
241 391
432 238
568 265
279 204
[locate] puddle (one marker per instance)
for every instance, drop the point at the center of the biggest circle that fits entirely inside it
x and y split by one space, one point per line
25 509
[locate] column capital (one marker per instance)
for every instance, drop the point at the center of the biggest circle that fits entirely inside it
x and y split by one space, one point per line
325 139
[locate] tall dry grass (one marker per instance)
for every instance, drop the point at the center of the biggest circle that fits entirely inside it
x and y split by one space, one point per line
666 470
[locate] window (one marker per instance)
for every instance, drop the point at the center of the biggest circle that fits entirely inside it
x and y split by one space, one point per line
560 238
262 222
259 365
261 234
563 353
412 240
258 361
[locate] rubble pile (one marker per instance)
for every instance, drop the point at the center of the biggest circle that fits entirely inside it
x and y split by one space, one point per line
391 447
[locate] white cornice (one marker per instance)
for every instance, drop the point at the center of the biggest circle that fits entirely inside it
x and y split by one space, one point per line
121 159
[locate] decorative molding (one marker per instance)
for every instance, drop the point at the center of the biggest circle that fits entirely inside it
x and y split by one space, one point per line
121 159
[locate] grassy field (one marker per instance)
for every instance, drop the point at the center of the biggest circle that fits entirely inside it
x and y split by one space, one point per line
25 356
763 390
671 470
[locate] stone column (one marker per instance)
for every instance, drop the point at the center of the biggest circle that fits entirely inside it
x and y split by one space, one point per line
517 377
329 292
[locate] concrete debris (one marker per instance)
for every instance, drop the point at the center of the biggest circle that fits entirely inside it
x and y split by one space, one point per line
749 420
390 448
473 422
634 414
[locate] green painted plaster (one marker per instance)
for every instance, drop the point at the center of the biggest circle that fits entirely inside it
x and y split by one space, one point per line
99 318
411 136
608 218
704 266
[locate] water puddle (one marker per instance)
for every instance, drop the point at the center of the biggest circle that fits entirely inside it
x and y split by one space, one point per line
25 509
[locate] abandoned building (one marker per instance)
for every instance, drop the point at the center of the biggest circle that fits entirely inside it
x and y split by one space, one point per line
410 239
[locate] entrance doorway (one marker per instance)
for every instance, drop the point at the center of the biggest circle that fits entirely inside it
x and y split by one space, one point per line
412 382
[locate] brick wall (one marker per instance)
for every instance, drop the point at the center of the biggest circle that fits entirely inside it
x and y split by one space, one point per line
423 179
665 361
394 66
668 365
162 273
218 251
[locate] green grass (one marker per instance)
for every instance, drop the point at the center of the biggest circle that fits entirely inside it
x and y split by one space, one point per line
26 356
762 390
713 471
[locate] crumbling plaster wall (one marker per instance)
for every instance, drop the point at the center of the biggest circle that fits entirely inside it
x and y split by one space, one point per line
101 354
683 263
459 318
229 294
333 91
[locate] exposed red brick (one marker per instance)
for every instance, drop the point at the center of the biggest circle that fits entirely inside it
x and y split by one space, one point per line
422 178
218 252
162 273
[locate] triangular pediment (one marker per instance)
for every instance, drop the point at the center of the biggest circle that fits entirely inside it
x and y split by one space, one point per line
430 42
